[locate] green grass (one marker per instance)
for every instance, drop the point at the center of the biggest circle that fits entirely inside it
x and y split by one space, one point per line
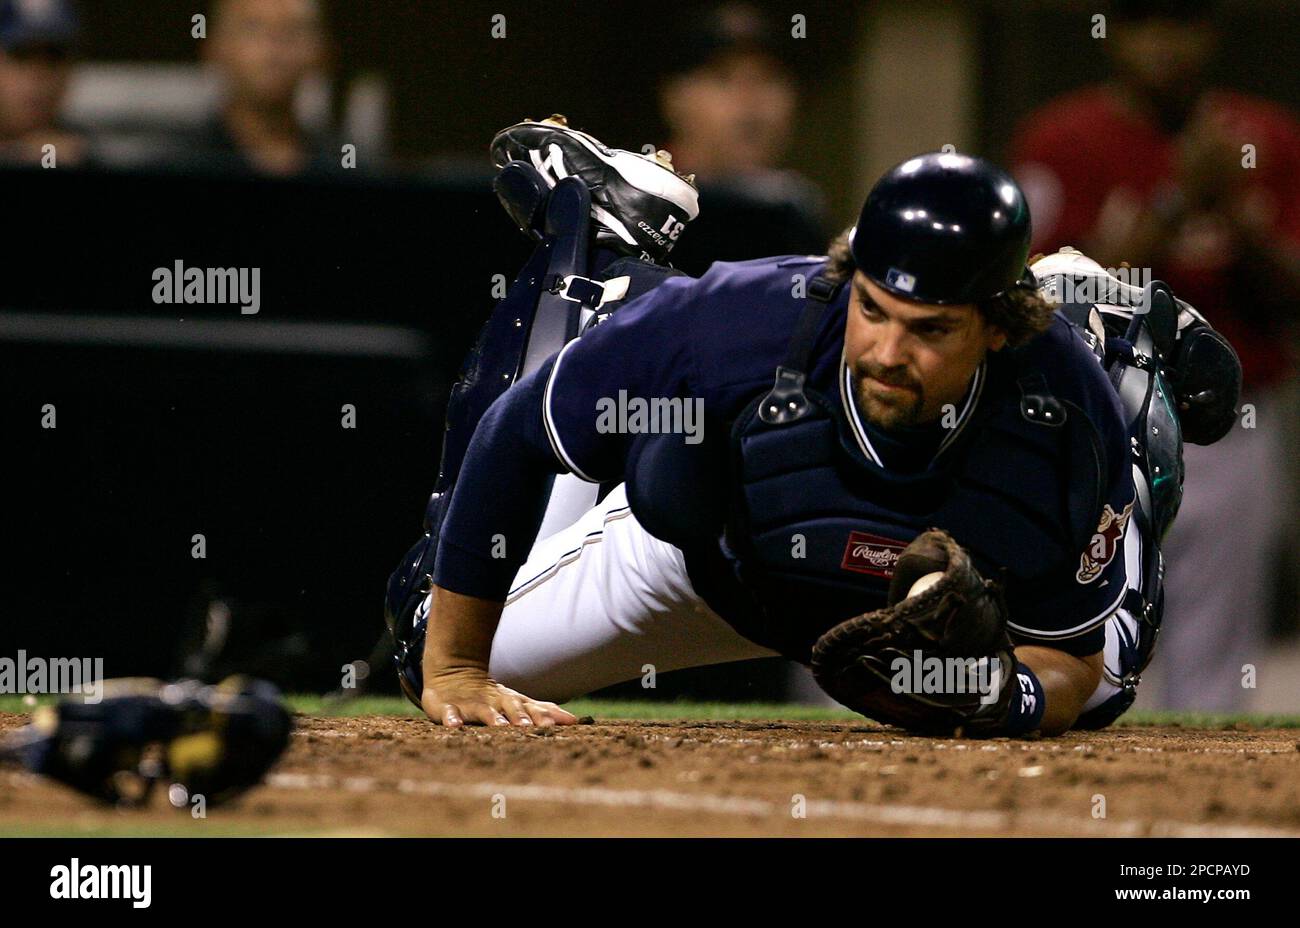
361 705
1210 720
716 711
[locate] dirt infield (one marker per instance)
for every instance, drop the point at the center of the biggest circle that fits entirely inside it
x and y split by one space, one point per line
403 776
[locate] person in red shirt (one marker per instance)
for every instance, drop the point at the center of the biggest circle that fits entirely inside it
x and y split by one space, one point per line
1157 170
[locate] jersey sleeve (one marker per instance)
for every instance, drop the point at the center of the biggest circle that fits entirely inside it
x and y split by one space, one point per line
601 383
1069 612
550 421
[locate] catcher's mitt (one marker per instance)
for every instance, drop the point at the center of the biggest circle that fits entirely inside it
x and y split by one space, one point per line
870 662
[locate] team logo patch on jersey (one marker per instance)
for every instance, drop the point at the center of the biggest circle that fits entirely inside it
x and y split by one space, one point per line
1101 549
872 554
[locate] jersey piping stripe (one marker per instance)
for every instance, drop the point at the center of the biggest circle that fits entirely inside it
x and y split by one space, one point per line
568 557
973 393
1078 629
972 398
859 433
548 422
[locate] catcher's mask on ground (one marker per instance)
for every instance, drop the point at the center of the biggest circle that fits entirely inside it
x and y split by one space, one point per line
907 359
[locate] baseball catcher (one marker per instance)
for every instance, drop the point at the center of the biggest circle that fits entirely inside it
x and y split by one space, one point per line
919 465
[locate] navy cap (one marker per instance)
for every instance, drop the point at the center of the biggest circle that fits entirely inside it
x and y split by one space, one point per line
37 22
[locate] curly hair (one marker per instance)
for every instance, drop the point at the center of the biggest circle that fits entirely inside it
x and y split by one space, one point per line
1021 312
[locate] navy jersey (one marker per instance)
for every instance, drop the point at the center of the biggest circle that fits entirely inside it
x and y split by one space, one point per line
649 398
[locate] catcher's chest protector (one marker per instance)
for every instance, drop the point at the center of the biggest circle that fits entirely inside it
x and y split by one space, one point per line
815 525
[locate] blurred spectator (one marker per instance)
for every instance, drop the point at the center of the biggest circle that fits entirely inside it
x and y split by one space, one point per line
728 97
263 50
36 43
1150 168
729 100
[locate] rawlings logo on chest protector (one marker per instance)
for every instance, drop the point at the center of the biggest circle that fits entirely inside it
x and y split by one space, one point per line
872 554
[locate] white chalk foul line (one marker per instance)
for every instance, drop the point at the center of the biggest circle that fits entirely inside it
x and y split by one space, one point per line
669 800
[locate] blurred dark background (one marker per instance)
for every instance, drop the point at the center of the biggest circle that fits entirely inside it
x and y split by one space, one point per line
174 421
452 85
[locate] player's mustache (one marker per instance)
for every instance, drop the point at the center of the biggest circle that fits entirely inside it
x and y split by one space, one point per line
894 377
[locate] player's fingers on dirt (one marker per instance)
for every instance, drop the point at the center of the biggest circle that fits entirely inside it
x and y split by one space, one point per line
548 713
462 711
513 706
541 711
441 713
486 713
437 710
538 715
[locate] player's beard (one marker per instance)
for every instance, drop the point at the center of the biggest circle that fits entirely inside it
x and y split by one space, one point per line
886 409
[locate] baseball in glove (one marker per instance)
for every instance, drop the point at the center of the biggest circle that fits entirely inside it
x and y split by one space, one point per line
938 662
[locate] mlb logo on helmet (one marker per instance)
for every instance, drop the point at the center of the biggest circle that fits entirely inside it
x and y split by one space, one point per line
900 280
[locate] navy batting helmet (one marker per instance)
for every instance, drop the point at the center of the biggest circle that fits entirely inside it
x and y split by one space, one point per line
944 228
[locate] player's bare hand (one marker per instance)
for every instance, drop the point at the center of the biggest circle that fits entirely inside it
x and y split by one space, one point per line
468 696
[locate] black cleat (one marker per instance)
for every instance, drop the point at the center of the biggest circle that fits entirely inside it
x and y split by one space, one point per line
639 203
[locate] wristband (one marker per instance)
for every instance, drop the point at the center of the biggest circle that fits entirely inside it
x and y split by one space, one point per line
1025 712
